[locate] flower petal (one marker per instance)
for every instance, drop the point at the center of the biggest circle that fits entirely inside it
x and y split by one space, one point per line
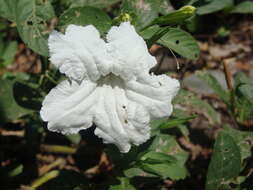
129 51
155 93
68 107
118 120
80 53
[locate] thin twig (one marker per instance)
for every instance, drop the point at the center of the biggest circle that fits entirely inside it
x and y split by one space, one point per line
228 75
43 170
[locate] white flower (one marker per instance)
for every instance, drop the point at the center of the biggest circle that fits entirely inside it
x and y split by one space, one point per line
109 85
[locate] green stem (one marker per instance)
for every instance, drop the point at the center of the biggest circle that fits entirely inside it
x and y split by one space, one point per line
45 178
58 149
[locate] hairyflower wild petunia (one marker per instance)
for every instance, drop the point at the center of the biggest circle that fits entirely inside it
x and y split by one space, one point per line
108 84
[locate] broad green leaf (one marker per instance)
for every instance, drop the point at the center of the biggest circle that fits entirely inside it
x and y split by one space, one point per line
214 84
157 36
164 158
133 172
244 7
175 122
153 157
241 78
243 92
9 53
177 40
85 16
142 12
247 91
124 185
16 171
167 144
74 138
9 109
157 125
225 163
173 171
7 9
19 76
176 17
214 6
98 3
181 42
26 96
243 139
32 17
193 103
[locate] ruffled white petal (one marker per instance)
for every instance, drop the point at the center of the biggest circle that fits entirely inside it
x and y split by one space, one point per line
80 53
155 93
68 107
119 120
129 51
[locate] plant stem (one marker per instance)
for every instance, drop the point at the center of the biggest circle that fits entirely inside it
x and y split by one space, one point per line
45 178
228 75
58 149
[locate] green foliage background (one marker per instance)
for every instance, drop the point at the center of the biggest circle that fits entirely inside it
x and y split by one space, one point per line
162 159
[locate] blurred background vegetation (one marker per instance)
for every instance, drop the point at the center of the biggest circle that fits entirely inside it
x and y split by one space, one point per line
205 144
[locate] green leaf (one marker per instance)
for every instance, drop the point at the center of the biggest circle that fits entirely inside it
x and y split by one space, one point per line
157 125
225 163
194 104
98 3
16 171
173 170
243 139
157 36
247 91
32 18
175 122
26 96
124 185
214 84
133 172
177 40
153 157
9 109
176 17
74 138
9 53
245 7
7 9
85 16
243 91
214 6
167 144
241 78
164 158
142 12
